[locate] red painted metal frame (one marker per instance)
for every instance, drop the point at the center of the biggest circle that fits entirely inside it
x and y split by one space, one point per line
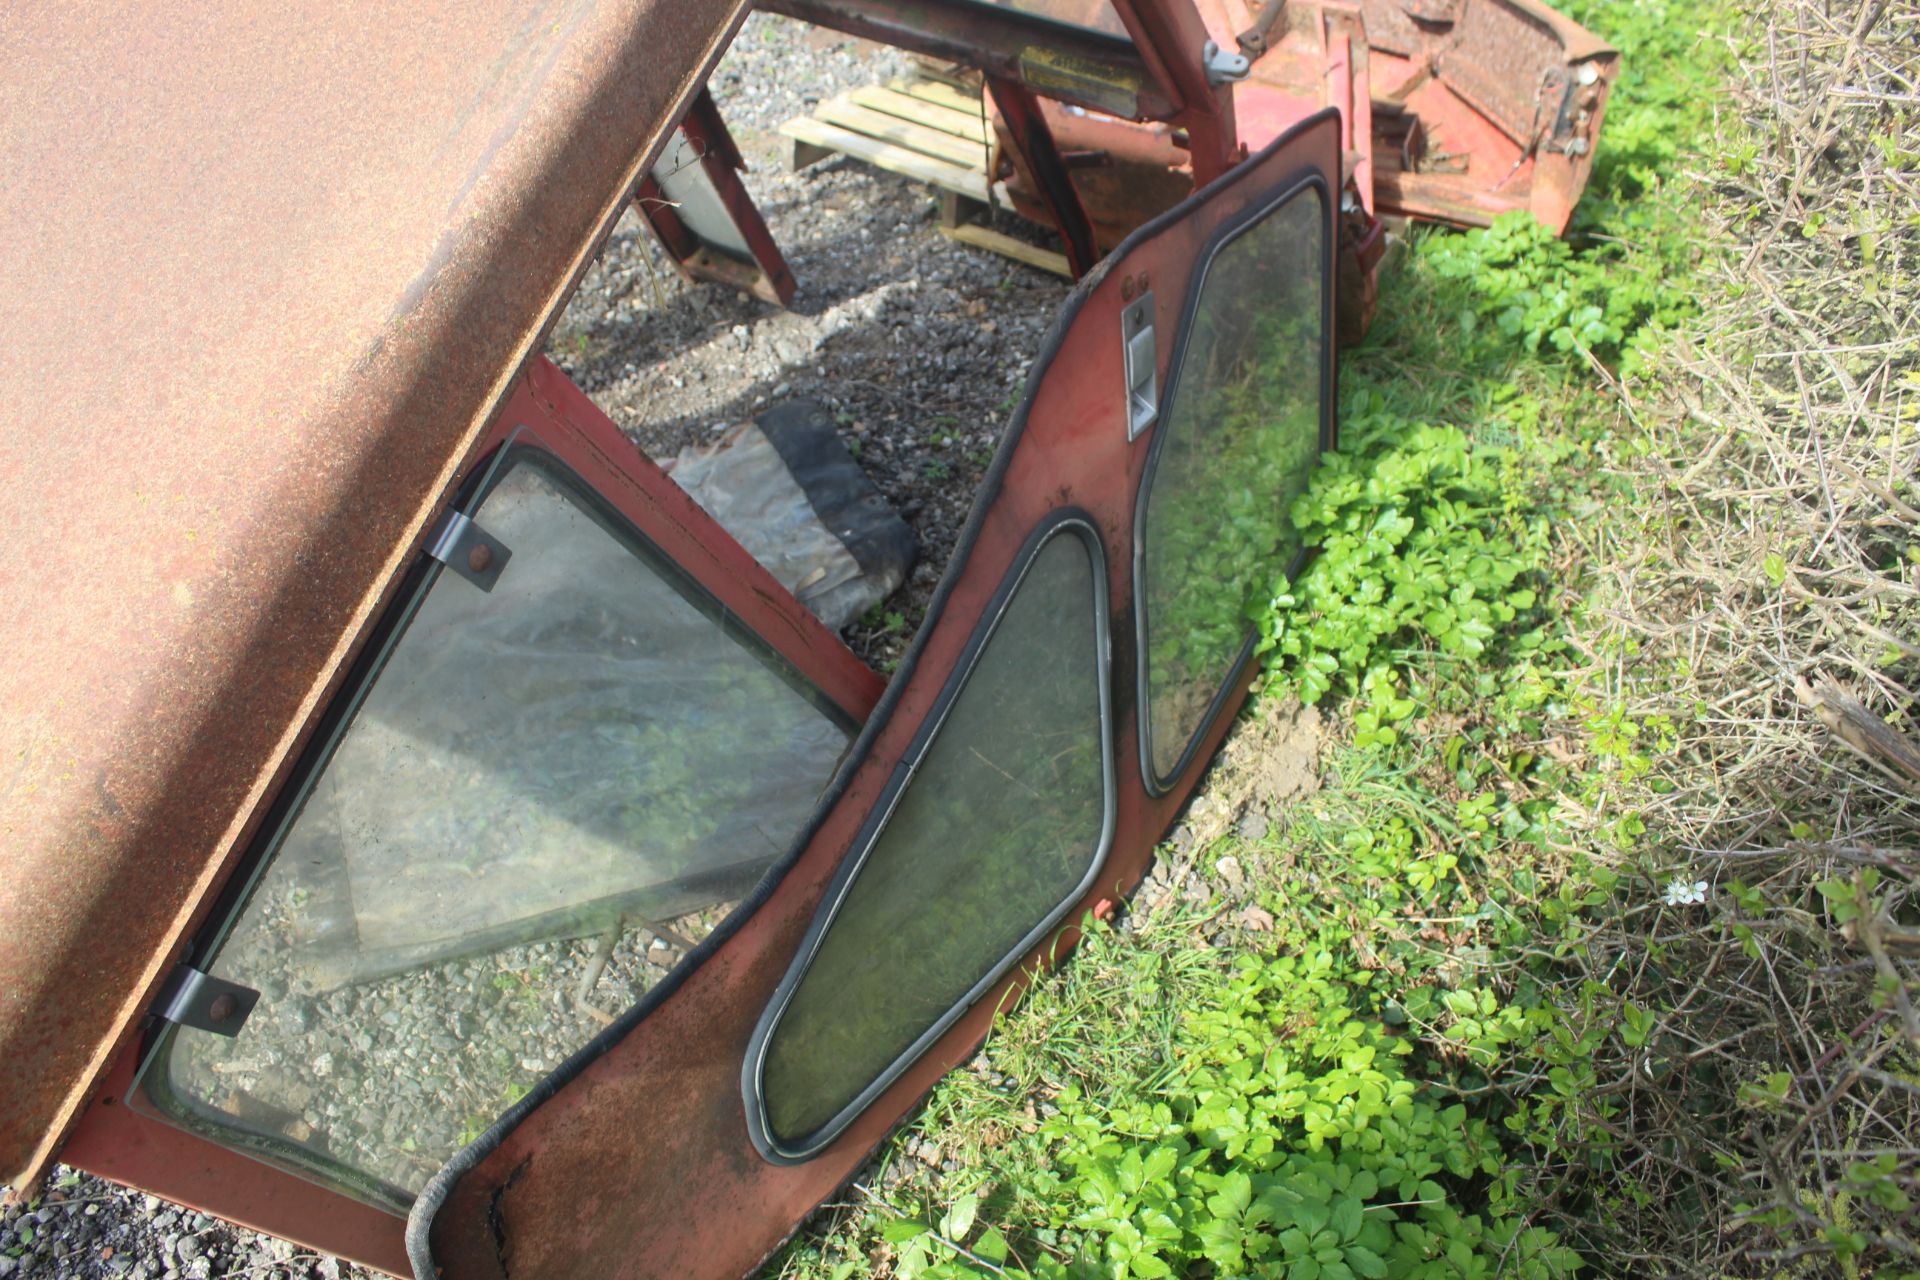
635 1160
119 1143
1033 140
767 277
652 204
123 1144
1172 37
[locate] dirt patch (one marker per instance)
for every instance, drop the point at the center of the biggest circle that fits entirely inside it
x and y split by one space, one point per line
1270 759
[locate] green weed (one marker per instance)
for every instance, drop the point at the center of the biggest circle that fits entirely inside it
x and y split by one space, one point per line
1416 1062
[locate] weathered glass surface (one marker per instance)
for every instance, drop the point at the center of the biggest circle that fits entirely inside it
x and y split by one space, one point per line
1001 821
569 778
1240 437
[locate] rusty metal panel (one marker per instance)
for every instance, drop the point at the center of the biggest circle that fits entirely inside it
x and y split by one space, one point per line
1484 106
271 267
1502 61
635 1159
1082 66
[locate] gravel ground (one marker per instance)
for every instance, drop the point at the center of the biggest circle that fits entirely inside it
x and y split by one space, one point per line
918 346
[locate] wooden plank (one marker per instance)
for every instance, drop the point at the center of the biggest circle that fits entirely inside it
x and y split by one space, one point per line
916 137
1008 247
806 153
962 124
957 210
885 155
958 123
940 94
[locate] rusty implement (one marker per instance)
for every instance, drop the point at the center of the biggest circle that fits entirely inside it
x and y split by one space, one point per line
1483 106
1453 111
1456 110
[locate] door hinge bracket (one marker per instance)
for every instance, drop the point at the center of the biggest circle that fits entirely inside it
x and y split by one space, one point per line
192 998
1140 361
1224 66
469 550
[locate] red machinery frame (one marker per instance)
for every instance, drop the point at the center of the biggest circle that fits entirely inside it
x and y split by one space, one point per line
1451 110
767 276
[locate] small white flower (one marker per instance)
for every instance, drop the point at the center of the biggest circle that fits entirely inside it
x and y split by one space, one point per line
1680 893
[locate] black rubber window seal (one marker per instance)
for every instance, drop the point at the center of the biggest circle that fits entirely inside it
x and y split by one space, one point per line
1067 522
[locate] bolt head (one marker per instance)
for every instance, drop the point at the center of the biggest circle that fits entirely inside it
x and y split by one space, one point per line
1126 288
480 559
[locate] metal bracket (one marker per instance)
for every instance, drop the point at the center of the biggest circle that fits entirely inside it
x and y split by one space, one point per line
470 551
195 999
1224 67
1253 41
1139 358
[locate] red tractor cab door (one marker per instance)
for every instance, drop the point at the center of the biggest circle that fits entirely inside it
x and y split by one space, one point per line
587 721
1079 665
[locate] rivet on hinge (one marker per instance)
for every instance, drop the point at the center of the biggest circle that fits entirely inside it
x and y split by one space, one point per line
470 551
195 999
1224 66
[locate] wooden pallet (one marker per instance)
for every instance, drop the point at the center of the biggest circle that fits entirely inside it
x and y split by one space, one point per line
922 129
928 130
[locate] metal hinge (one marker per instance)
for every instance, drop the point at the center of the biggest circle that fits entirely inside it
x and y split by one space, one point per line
1139 358
195 999
469 550
1223 65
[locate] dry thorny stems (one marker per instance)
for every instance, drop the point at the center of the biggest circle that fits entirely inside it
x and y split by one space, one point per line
1770 602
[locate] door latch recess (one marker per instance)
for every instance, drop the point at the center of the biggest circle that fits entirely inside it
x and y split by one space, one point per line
1143 378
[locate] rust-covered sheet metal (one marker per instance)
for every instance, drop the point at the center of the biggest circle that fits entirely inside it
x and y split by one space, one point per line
1509 96
270 267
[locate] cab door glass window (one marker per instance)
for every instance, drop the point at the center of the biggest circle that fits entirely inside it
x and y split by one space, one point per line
983 841
1244 426
550 792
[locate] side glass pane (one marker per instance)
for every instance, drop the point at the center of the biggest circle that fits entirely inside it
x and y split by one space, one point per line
550 792
1242 431
997 830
